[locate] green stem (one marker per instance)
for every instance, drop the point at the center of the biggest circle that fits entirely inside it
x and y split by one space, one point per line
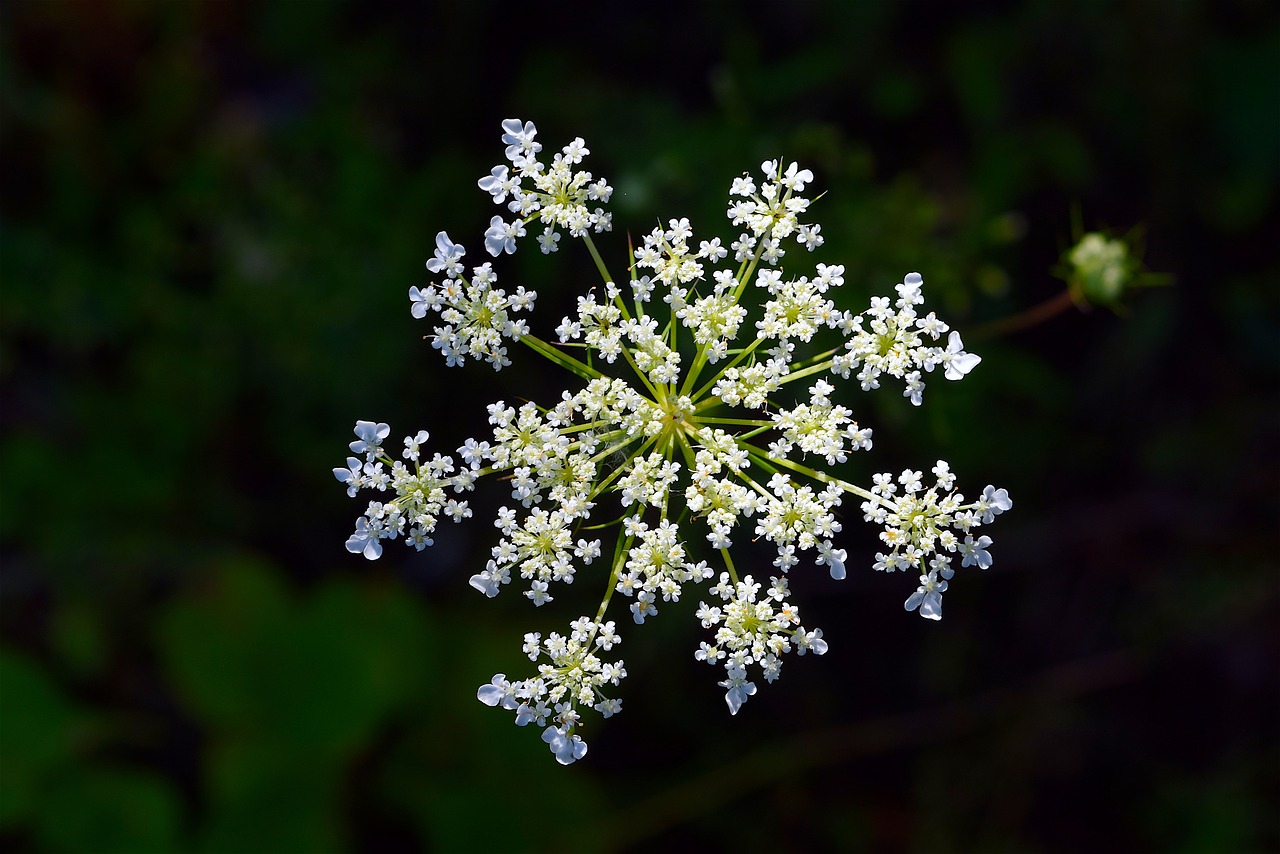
818 358
578 428
613 475
745 422
699 361
751 482
619 558
728 562
603 525
560 358
744 274
806 372
751 434
595 256
763 457
746 351
611 450
686 450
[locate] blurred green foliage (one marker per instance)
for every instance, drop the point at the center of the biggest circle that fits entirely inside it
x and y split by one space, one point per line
209 218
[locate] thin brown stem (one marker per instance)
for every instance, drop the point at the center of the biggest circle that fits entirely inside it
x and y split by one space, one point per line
1033 316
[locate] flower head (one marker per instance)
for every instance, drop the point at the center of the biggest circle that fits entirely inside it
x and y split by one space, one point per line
554 193
678 436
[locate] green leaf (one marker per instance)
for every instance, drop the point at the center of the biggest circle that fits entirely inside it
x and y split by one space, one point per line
315 676
108 810
38 733
265 797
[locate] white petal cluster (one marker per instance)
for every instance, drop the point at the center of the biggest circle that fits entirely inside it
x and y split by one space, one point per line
772 212
476 315
597 324
819 427
796 310
677 433
923 530
667 253
573 676
554 194
752 631
419 500
750 387
797 518
893 342
656 568
716 492
715 320
541 549
649 349
648 480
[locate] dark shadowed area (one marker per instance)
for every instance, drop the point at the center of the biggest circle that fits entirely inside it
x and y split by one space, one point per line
210 216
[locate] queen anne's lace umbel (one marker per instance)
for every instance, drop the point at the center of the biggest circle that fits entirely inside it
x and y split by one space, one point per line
686 420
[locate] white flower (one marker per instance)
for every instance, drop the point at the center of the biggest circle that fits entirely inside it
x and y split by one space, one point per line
498 183
488 581
350 475
365 540
413 445
810 642
519 138
498 691
992 503
501 236
833 558
567 748
421 300
370 436
740 690
975 552
956 361
576 150
677 436
928 598
447 258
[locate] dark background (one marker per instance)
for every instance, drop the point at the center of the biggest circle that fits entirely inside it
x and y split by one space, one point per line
210 216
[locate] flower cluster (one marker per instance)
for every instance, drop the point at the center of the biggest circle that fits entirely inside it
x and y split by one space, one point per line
419 495
751 630
476 314
572 676
685 421
1102 267
923 524
894 343
555 195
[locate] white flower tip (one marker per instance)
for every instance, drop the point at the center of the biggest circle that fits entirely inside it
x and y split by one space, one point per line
490 694
487 586
913 279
